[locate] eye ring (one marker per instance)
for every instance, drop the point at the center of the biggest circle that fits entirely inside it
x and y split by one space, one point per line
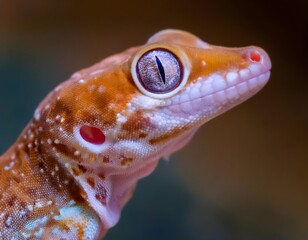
160 71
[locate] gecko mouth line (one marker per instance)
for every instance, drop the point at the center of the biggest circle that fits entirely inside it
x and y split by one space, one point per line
251 84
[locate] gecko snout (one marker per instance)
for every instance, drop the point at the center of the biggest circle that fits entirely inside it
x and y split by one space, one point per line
257 55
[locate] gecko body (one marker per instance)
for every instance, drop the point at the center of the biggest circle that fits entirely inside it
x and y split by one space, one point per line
94 136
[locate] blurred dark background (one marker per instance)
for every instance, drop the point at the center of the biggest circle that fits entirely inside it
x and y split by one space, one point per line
245 174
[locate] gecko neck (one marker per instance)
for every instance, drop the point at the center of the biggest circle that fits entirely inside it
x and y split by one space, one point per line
40 181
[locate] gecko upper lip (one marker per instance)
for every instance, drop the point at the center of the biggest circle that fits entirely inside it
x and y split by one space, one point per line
235 84
217 89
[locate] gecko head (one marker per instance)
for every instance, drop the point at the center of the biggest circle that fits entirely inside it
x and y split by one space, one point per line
148 101
110 123
188 82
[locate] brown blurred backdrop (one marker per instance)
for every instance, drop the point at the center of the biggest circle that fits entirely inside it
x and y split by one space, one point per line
245 174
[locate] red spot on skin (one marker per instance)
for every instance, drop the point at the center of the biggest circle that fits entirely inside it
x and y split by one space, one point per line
92 134
255 56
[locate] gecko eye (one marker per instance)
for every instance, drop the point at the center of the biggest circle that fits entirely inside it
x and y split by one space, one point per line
158 72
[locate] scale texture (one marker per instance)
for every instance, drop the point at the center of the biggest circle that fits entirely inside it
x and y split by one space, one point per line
94 136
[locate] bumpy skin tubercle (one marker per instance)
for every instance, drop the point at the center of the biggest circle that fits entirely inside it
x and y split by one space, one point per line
77 162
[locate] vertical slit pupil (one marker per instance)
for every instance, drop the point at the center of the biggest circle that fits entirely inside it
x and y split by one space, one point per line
161 69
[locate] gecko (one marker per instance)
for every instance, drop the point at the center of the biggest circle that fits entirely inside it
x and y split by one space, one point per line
77 162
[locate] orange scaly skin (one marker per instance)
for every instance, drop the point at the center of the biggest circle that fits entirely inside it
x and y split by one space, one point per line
58 181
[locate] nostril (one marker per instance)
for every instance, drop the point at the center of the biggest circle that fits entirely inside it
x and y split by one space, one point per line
255 56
